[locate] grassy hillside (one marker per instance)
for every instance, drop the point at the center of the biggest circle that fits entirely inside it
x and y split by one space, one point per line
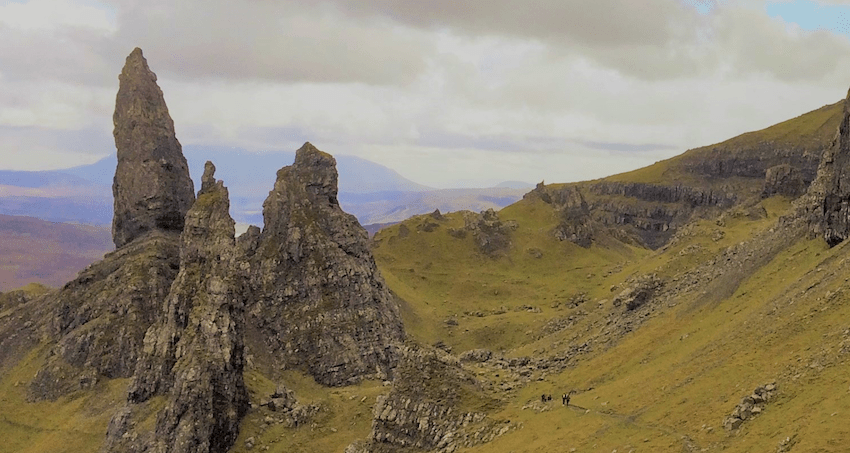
668 385
743 299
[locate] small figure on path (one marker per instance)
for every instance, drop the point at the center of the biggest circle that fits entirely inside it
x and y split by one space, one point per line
565 400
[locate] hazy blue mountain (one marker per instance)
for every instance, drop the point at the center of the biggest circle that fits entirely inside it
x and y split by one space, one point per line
35 179
370 191
515 185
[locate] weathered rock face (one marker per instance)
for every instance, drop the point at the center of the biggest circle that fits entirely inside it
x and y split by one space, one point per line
638 292
152 188
831 188
492 236
434 405
651 213
575 224
99 319
317 297
194 355
783 180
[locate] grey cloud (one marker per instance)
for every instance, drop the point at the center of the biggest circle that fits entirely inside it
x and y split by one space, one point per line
753 42
274 41
598 22
68 54
94 141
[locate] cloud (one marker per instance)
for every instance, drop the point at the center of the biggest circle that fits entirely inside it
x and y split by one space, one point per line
272 41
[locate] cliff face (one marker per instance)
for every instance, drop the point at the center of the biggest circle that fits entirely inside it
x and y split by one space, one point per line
316 295
99 319
575 223
830 192
434 405
152 188
194 355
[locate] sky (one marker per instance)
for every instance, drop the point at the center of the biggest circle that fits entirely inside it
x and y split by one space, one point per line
448 93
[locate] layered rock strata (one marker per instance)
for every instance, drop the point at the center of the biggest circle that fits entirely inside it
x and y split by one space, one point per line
317 298
152 188
194 355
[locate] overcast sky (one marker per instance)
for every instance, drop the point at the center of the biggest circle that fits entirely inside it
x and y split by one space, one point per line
449 93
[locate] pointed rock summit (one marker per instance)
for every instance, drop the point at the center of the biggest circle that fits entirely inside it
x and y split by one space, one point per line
317 296
152 187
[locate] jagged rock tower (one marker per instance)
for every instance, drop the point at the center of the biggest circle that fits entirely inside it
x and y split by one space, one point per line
194 355
317 298
152 187
99 319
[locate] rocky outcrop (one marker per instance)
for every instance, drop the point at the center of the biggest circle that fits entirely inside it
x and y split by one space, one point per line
638 292
99 319
830 192
434 405
492 236
317 297
194 355
575 223
783 180
152 188
650 214
750 406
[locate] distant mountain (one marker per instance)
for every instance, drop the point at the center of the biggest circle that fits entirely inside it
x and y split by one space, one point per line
370 191
515 185
391 207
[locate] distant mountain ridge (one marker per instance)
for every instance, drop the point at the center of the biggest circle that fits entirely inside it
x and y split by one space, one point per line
372 192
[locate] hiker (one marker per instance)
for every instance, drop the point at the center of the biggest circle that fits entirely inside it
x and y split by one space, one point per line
566 398
543 398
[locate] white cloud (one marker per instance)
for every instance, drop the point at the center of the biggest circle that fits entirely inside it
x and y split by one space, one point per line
41 15
480 90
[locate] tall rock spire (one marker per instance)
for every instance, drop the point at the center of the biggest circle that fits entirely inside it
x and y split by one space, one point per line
152 187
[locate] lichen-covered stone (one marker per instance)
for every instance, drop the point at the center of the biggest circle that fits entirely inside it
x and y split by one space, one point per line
317 296
152 187
194 355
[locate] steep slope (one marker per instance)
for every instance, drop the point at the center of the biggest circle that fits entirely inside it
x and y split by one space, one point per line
670 350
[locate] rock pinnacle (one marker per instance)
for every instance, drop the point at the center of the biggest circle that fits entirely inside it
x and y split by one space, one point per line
152 187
